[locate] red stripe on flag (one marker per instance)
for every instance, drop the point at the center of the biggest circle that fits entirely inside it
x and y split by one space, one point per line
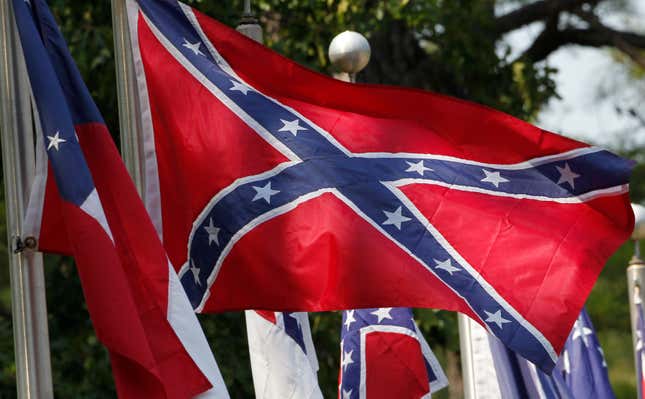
336 259
394 367
549 249
367 117
211 143
126 287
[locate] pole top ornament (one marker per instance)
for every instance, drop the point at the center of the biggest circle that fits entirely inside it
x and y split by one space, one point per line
349 52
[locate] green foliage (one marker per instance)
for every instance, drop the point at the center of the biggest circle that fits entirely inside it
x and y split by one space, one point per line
445 46
329 354
87 28
607 303
7 365
227 336
80 363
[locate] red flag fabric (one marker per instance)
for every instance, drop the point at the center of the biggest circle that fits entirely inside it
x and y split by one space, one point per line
296 192
93 212
384 355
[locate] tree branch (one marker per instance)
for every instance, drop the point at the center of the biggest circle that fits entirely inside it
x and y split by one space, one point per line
629 43
549 40
537 11
632 44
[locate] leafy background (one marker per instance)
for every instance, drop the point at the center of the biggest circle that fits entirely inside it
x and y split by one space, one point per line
452 47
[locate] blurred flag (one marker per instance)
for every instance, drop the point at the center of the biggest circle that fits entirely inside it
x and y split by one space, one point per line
581 371
384 355
518 378
283 358
88 207
294 191
639 350
582 362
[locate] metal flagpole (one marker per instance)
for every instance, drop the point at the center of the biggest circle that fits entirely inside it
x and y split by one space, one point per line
129 121
350 52
249 25
28 302
636 269
467 362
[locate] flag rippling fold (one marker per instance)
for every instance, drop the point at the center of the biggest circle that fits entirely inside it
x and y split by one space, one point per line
278 188
384 355
581 371
84 204
283 358
582 363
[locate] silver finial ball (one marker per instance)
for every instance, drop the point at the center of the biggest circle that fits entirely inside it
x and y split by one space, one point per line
349 52
639 222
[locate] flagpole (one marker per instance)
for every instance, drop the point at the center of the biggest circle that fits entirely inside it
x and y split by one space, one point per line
249 25
350 52
28 302
636 270
467 362
129 126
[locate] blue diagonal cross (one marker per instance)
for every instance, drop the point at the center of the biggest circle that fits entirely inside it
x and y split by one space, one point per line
367 183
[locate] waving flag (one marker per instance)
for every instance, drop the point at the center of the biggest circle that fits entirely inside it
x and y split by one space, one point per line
583 363
283 359
497 372
296 192
517 378
581 371
92 211
384 355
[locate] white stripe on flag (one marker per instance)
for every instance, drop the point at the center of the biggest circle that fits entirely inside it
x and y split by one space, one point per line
185 324
93 207
152 193
34 213
281 370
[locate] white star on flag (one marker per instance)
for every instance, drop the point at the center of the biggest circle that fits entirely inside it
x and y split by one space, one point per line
395 218
195 270
55 141
496 318
349 319
382 314
237 86
446 265
493 177
347 394
264 193
292 127
194 47
418 167
213 233
567 175
580 331
346 360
